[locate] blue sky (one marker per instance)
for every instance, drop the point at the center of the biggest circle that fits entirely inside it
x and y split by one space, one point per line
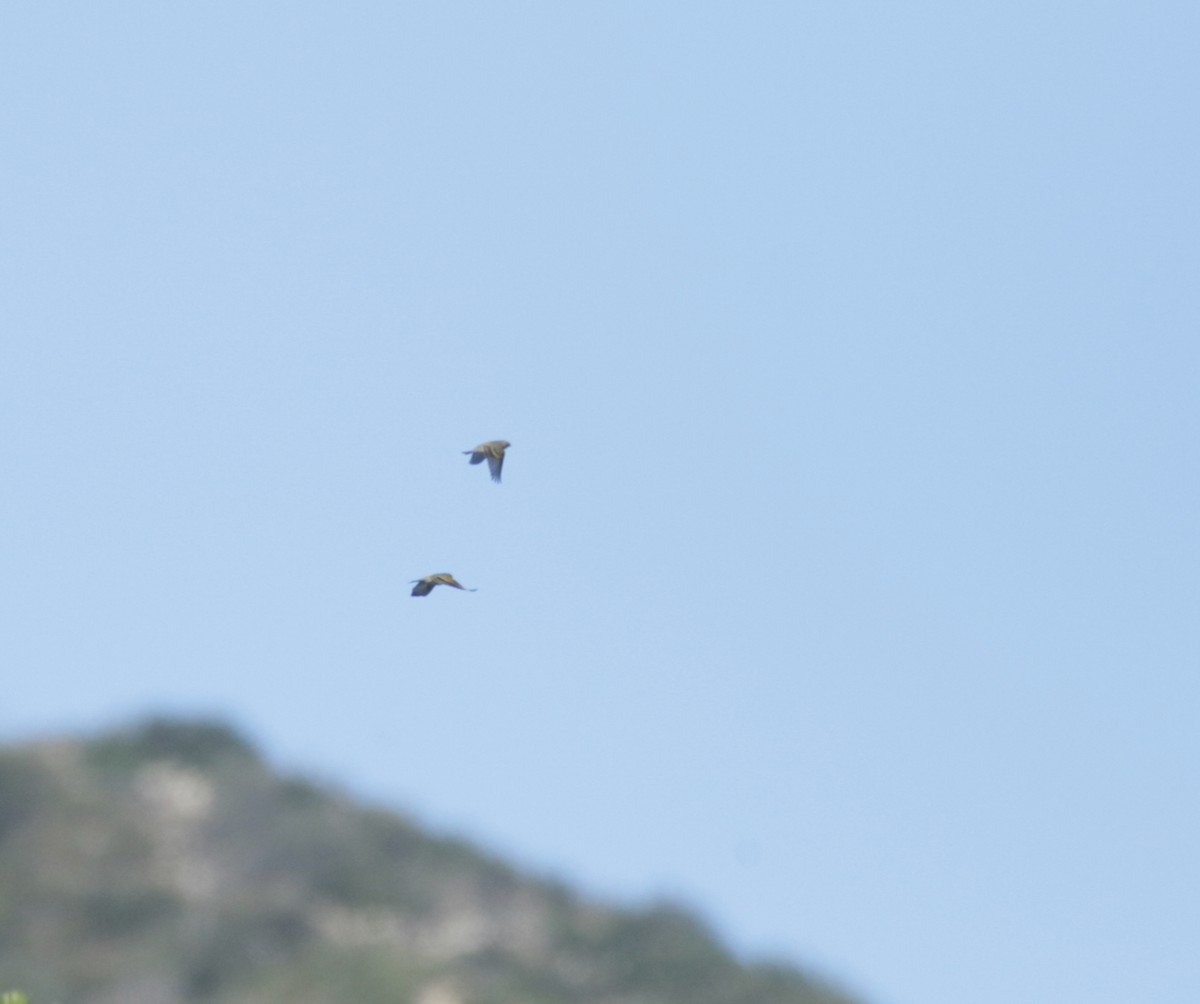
843 582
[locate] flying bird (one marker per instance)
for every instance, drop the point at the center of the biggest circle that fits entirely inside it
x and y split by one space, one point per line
425 586
493 452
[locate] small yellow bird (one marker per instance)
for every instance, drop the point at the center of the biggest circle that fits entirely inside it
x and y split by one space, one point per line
425 586
491 451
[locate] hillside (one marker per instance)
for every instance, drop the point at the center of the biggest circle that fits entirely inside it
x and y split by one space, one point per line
168 863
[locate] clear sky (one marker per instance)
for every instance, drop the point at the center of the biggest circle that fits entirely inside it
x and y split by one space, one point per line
844 578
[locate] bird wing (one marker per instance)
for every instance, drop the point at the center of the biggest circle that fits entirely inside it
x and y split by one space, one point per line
495 463
476 456
423 588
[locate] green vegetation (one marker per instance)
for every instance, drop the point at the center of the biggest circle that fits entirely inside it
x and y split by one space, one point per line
167 862
194 744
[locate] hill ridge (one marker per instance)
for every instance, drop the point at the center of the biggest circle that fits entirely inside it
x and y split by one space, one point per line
168 863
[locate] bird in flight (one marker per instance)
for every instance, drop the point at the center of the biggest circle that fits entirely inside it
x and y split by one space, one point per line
493 452
425 586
